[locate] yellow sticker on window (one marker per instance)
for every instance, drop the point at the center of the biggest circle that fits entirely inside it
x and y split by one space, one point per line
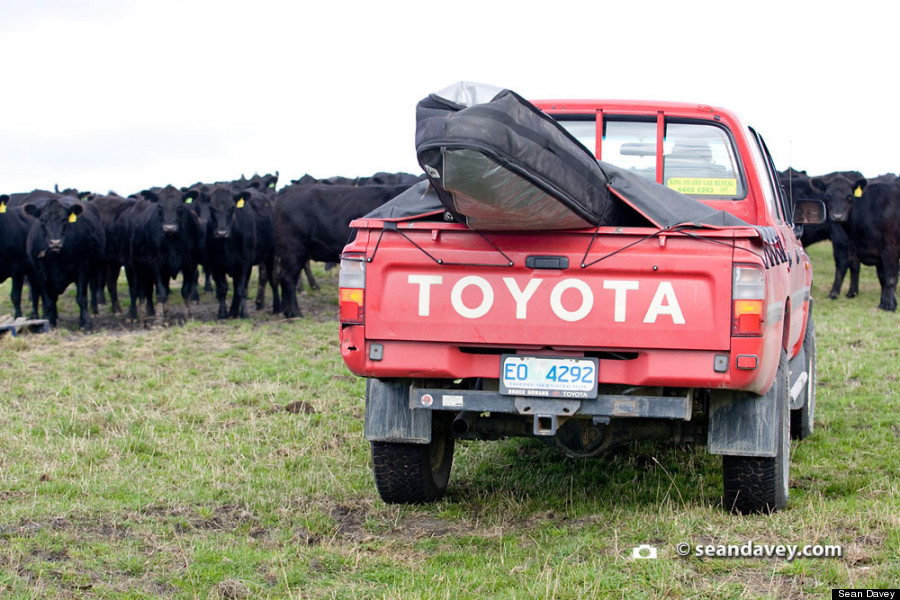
703 186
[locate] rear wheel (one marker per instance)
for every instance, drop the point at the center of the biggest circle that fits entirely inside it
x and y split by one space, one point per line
414 473
754 484
802 418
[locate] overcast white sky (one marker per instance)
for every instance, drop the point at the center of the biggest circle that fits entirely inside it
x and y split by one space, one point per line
127 94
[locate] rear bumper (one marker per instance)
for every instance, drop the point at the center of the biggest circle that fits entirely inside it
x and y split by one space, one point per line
655 407
640 367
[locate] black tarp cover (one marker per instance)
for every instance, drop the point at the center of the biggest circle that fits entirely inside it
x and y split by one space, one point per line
504 164
512 167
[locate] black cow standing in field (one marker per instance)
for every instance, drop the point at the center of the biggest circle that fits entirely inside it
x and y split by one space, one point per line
115 212
800 186
313 223
165 240
265 184
838 201
14 263
240 233
871 212
65 244
874 225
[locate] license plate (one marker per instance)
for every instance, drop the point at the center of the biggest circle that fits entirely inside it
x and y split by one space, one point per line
548 376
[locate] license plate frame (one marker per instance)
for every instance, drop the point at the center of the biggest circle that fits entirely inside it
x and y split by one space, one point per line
549 376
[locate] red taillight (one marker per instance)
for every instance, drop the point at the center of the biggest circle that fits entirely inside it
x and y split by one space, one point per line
748 293
352 284
351 305
748 317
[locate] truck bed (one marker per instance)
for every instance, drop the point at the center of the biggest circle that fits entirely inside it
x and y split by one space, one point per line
654 307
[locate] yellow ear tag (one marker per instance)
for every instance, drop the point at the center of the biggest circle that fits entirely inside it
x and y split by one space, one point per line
2 208
72 218
857 193
189 200
240 203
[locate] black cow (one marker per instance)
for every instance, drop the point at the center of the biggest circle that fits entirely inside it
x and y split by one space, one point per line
836 191
14 263
164 240
115 212
313 223
874 225
65 244
240 233
265 184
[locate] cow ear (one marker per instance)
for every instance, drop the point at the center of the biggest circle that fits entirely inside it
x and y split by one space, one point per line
239 199
859 186
4 199
189 196
31 210
818 184
84 196
149 195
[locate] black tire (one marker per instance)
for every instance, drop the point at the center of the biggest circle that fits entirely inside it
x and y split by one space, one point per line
802 418
755 484
414 473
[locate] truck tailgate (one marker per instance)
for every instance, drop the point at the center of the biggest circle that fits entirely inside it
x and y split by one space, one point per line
636 290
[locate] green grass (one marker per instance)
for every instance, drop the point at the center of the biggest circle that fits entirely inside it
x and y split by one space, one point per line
227 460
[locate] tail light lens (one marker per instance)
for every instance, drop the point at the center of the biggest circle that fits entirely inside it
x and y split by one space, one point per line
352 284
748 294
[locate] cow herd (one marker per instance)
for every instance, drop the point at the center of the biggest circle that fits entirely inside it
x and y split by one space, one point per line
52 240
863 224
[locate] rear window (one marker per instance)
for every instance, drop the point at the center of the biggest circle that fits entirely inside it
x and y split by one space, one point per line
699 159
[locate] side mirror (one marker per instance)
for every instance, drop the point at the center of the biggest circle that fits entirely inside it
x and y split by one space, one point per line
809 212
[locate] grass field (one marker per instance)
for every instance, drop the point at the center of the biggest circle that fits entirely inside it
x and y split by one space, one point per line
213 459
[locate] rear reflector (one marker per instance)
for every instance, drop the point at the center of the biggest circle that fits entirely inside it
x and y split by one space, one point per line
747 361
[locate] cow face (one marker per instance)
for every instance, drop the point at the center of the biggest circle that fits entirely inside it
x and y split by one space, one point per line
196 200
54 218
170 205
838 193
223 205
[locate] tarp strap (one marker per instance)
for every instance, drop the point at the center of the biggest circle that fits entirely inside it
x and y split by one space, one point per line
392 226
682 228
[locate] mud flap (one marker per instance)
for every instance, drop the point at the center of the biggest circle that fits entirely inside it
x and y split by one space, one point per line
742 424
389 417
799 377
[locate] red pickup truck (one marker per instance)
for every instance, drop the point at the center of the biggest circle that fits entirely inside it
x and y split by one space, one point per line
590 336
